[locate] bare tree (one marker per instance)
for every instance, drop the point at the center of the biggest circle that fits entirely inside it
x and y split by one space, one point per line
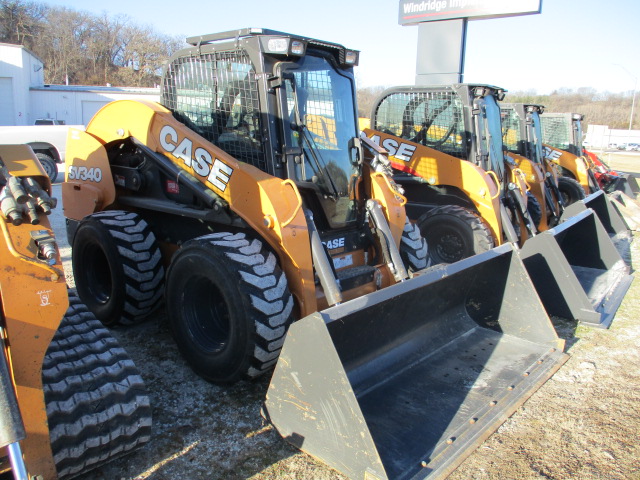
79 47
21 22
366 98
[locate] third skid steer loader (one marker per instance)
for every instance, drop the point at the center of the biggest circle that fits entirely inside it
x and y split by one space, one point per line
446 142
521 134
250 185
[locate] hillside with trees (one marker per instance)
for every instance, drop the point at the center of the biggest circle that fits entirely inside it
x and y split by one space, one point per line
85 49
599 108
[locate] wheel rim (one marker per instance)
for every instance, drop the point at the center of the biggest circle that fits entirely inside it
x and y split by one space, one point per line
99 281
50 170
206 315
449 247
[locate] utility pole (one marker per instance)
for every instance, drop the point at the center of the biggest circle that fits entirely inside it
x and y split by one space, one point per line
633 99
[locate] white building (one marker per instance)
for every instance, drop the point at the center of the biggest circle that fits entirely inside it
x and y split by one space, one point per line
24 97
601 136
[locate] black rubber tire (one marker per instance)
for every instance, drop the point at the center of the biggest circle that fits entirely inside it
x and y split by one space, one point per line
453 233
413 248
570 190
97 404
117 266
229 306
534 209
49 165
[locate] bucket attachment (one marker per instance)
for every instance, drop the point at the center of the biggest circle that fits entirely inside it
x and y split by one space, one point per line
598 201
405 382
625 183
577 270
628 207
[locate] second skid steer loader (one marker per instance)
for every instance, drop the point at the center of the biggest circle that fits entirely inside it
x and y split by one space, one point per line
462 191
447 142
249 185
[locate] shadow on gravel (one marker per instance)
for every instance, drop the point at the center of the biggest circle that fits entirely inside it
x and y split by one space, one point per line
210 431
566 329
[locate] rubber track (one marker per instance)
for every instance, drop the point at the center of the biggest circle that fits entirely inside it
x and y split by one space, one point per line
262 280
97 404
141 260
534 209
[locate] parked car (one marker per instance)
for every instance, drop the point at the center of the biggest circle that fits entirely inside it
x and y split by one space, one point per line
633 147
49 121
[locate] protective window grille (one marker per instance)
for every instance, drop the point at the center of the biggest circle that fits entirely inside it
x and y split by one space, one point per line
555 132
433 119
216 95
510 129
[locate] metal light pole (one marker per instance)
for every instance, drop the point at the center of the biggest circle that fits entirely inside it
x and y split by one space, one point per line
633 102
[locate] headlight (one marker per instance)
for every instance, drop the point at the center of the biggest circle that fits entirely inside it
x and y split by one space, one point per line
351 57
278 45
285 46
297 47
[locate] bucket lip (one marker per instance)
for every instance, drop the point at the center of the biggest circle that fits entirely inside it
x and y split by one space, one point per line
495 416
570 221
425 277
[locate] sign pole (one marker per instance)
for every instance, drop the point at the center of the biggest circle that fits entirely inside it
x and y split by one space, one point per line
441 51
442 32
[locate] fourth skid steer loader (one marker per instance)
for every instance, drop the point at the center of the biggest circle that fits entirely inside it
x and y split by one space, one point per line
579 183
249 185
447 150
563 131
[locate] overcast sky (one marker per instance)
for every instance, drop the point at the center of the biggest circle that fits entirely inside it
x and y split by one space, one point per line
572 43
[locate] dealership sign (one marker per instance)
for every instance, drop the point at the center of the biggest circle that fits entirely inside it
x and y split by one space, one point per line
416 11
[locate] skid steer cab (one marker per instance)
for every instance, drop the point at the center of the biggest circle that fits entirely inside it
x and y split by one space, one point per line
462 190
64 380
446 146
246 200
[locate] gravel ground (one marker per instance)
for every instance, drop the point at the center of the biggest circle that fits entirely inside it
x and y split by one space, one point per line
581 424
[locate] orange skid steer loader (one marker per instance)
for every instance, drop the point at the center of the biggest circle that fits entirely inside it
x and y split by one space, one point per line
562 143
246 202
521 134
70 398
447 150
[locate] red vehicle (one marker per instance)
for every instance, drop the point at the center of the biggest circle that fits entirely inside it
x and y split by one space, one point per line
610 180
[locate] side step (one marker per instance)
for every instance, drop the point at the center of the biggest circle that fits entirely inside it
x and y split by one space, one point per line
407 381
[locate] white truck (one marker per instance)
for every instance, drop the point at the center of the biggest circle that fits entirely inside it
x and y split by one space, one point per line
49 142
